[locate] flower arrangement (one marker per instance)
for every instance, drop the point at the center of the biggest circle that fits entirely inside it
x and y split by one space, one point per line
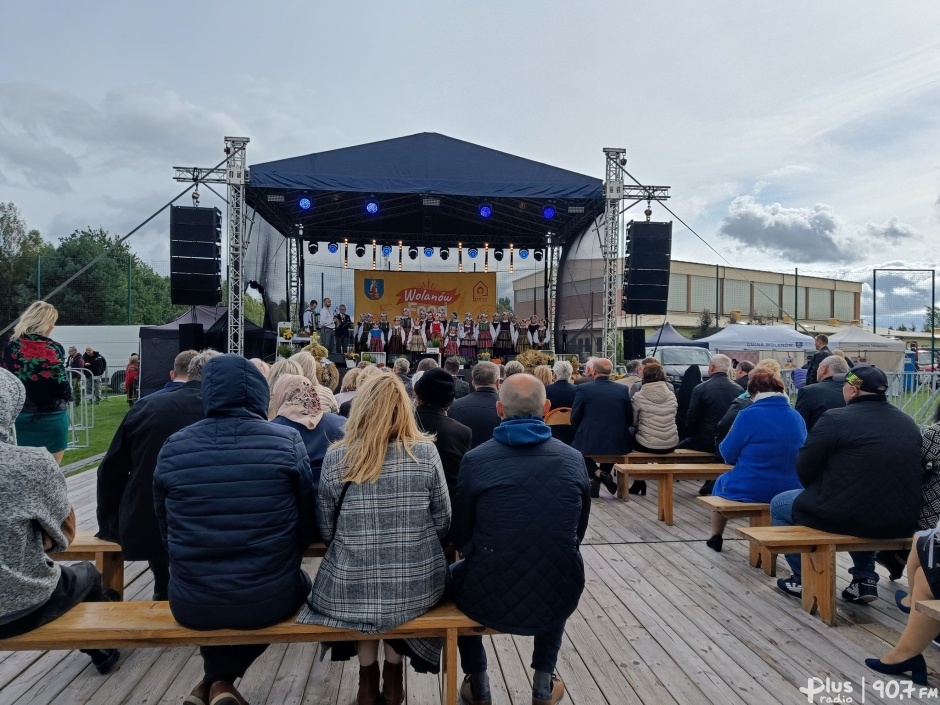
534 358
367 358
485 356
285 332
351 355
317 350
434 343
285 350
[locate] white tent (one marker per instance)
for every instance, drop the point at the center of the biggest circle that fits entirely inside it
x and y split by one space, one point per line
747 342
863 346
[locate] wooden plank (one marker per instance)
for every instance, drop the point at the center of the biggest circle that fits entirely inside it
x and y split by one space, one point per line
802 539
931 608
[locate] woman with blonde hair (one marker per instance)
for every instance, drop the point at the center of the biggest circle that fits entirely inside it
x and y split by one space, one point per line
347 390
383 510
364 374
544 374
308 363
39 363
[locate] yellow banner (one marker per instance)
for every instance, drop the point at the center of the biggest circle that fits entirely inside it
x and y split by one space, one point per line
380 292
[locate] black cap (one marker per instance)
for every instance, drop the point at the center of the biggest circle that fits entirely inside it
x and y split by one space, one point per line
866 378
436 387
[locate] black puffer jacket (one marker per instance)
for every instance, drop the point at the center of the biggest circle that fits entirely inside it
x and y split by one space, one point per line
861 471
710 401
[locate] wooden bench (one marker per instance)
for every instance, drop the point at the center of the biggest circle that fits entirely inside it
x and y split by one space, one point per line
759 515
680 455
818 561
147 624
931 608
666 475
109 557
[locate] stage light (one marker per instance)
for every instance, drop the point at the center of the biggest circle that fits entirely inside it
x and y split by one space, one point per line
386 250
445 253
498 255
472 253
538 255
412 252
360 250
345 253
399 255
275 198
333 247
575 209
312 248
511 251
305 204
486 210
428 251
548 212
459 256
372 206
523 253
374 252
432 201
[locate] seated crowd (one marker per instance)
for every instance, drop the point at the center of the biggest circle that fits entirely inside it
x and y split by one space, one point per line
238 469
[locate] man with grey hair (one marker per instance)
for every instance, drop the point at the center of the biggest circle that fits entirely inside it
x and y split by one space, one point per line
477 410
586 374
513 367
709 403
400 368
814 400
125 476
561 392
520 514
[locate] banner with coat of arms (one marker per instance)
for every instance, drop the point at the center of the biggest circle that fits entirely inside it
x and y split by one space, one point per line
380 292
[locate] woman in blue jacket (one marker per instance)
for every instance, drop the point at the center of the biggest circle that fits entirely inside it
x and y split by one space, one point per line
762 446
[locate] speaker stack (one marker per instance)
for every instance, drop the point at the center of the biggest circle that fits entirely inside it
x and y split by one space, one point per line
195 256
634 343
646 279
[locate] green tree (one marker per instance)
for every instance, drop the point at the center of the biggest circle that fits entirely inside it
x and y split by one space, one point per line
902 328
253 308
503 304
932 318
20 250
706 325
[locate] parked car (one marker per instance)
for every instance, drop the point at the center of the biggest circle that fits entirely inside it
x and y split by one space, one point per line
924 363
676 360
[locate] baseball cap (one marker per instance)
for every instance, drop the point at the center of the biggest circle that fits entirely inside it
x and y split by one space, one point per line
866 378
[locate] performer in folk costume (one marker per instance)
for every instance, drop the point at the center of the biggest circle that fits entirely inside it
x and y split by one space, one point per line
357 334
385 326
468 338
406 325
434 329
503 344
376 338
523 341
533 327
484 337
544 337
416 344
364 330
395 342
452 346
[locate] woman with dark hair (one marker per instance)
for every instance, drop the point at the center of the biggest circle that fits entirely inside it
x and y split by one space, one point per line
654 413
690 380
762 445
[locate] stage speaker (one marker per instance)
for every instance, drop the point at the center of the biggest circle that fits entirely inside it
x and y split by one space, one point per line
195 256
634 343
192 336
646 275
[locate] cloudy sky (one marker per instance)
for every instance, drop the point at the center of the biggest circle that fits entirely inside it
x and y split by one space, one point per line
792 134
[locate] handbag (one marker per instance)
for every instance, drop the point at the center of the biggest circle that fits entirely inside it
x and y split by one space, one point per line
930 458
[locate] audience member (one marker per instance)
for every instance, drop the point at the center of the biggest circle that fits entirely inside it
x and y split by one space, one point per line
179 375
513 367
35 517
328 375
461 388
125 475
762 446
384 510
98 366
308 363
654 413
585 376
860 469
633 374
710 400
347 390
741 371
822 352
519 529
39 363
235 504
601 416
284 366
560 393
132 378
260 365
428 363
848 360
814 400
477 410
691 378
646 361
364 374
401 367
543 373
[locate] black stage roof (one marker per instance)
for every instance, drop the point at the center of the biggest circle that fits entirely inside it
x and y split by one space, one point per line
429 190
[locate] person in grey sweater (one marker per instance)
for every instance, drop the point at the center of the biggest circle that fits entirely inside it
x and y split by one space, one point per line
36 517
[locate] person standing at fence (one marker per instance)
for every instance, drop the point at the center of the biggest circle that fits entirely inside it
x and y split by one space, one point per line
98 366
39 363
132 378
74 364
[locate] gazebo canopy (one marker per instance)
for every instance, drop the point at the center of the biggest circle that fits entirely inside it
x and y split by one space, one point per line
667 335
429 189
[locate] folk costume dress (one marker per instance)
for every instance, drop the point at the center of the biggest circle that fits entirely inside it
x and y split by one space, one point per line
395 344
484 337
468 343
452 346
416 342
523 342
376 339
503 344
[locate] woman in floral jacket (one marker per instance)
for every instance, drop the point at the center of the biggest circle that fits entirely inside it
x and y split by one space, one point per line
38 362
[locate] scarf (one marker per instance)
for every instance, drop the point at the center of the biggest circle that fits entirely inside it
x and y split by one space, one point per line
296 399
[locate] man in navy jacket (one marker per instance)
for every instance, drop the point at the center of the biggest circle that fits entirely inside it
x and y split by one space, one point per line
477 410
816 399
235 501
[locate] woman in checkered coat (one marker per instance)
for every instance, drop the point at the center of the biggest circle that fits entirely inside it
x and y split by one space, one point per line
383 509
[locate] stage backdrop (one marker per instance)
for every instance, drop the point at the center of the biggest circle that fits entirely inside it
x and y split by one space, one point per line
380 292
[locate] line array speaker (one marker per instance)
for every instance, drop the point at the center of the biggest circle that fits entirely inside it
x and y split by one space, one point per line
195 256
646 276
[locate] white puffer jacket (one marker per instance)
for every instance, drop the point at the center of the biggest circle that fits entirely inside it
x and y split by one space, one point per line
654 415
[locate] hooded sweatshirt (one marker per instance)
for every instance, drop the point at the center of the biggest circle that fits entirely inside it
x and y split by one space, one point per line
33 501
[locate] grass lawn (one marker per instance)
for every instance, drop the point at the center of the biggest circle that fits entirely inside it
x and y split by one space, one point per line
108 416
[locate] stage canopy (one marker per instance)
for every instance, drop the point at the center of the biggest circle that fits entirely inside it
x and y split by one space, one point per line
430 189
667 335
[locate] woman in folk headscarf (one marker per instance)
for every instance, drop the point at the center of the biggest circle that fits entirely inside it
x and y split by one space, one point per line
297 405
308 363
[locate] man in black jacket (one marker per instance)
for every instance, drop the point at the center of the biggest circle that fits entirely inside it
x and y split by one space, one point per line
560 393
477 410
98 366
814 401
461 388
710 401
822 352
125 476
861 473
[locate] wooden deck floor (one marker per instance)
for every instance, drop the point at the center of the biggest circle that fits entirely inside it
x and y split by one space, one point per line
663 620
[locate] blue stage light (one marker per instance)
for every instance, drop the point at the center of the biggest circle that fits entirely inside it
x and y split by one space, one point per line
305 204
372 206
548 212
523 253
386 250
486 210
472 253
428 251
333 247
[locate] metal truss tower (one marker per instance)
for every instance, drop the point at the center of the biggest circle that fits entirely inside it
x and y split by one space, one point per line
610 250
294 268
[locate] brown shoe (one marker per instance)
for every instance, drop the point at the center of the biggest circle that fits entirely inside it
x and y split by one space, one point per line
558 693
393 683
222 693
368 684
199 696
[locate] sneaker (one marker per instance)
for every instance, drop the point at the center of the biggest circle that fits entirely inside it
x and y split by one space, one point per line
791 586
199 696
861 590
222 693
